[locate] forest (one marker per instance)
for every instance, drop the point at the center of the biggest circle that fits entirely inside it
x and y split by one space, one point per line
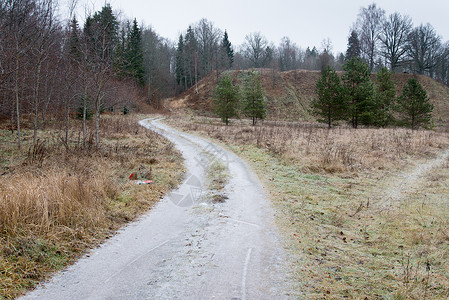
59 69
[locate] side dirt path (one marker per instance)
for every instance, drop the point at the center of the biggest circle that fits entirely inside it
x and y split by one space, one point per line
406 182
188 246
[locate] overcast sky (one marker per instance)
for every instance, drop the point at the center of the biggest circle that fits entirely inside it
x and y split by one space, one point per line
307 23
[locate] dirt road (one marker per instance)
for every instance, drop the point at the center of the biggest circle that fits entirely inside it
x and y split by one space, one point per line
187 247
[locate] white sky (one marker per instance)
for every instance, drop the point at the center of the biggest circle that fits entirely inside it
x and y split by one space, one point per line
307 23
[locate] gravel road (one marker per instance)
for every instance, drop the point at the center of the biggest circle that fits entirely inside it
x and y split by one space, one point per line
187 247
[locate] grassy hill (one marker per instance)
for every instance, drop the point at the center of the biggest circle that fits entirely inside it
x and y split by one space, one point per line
289 94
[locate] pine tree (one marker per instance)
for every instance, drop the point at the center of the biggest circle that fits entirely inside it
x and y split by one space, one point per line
134 54
330 106
414 105
120 63
385 97
101 33
360 92
190 57
353 46
74 41
254 105
226 99
180 63
227 49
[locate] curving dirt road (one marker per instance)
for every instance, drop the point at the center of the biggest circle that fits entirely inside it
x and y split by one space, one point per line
187 247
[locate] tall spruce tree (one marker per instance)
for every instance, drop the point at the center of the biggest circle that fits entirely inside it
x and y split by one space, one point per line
180 63
360 92
226 99
414 105
134 54
120 62
254 105
227 49
330 106
353 46
74 46
101 33
190 57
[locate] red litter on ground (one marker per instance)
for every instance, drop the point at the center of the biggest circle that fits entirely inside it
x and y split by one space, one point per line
133 176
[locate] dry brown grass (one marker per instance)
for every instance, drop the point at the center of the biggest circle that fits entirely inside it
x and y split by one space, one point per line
57 200
325 186
316 149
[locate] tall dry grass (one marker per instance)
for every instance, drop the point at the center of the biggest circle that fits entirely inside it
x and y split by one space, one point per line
58 199
55 198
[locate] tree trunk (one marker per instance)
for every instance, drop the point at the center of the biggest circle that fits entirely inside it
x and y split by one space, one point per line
149 89
97 124
196 73
12 121
16 92
84 115
67 122
67 115
36 101
97 115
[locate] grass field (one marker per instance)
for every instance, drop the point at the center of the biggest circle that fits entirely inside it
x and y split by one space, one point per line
329 188
58 200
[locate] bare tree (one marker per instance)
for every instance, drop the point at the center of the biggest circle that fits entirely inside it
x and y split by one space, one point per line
158 56
311 59
40 52
288 55
423 49
99 40
369 29
21 27
254 49
208 38
326 57
395 31
443 65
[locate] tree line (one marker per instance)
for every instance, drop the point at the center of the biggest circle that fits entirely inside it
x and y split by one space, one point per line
381 40
353 97
51 69
202 49
393 41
